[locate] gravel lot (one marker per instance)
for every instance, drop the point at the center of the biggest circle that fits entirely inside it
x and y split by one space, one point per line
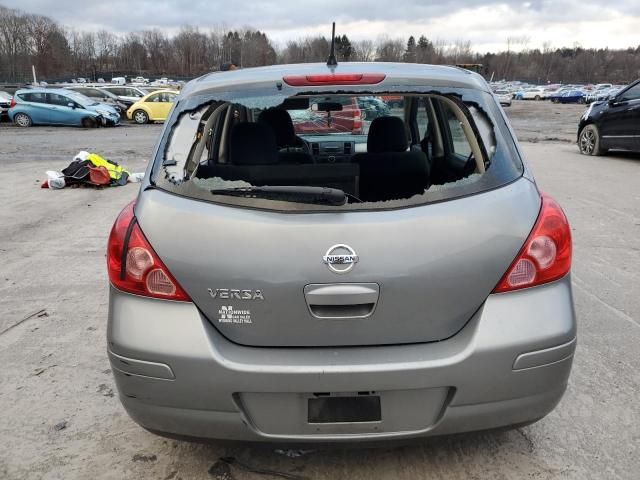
59 414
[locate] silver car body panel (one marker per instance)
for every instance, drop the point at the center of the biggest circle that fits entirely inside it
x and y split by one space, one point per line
225 390
434 264
413 74
413 322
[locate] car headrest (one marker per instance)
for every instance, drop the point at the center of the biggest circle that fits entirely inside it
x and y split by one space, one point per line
252 144
280 121
386 135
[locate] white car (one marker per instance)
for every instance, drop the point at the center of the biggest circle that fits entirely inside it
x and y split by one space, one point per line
126 93
504 97
537 93
140 80
5 103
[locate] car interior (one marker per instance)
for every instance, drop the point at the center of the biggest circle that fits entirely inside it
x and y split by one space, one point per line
324 142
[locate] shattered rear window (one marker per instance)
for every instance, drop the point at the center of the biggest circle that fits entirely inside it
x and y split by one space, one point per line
335 150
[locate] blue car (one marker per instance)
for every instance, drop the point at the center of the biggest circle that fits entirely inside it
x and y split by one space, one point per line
41 106
573 96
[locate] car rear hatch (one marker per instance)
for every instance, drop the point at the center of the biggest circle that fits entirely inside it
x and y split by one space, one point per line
267 278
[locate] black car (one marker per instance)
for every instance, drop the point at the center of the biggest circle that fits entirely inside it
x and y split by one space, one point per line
612 124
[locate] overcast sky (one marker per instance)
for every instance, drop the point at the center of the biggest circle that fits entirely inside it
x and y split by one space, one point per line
487 24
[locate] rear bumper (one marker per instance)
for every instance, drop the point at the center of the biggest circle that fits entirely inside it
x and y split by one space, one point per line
177 375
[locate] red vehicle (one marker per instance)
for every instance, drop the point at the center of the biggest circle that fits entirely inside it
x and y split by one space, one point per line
317 121
394 101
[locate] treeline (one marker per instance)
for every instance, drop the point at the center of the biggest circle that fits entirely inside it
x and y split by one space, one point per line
61 53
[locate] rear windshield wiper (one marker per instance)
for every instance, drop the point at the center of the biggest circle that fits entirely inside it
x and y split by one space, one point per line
301 194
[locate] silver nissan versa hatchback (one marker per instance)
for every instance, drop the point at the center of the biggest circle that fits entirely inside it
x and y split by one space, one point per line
293 272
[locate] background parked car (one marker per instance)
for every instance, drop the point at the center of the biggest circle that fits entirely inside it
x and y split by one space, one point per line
40 106
317 120
103 96
127 94
5 103
601 94
373 107
503 97
537 93
555 95
394 101
612 123
154 107
573 96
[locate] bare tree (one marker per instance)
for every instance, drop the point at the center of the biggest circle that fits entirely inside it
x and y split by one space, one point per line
14 37
60 53
156 44
389 50
364 50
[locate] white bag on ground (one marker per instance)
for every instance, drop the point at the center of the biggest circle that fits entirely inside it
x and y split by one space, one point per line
136 177
81 156
55 179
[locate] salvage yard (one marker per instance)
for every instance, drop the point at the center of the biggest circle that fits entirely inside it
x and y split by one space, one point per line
60 417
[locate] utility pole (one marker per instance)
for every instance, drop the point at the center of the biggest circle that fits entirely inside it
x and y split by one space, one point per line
33 71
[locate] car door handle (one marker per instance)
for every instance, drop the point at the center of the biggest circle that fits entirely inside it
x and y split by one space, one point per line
342 300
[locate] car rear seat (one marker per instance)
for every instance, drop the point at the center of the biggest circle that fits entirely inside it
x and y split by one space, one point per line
291 146
253 156
389 171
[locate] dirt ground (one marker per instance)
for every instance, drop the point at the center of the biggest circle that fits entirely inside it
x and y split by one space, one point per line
60 417
544 121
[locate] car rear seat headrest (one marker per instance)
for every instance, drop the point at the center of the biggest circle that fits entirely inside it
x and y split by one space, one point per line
252 144
387 135
280 121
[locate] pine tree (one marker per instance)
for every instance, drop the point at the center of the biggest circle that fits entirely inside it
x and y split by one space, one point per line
424 51
410 52
344 50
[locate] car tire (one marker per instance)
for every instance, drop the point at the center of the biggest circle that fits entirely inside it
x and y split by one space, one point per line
582 100
589 141
537 98
89 122
140 117
22 120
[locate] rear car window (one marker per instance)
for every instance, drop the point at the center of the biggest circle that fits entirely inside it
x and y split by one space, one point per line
327 151
35 97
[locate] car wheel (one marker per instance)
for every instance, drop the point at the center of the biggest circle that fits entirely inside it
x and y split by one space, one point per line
589 141
581 100
537 98
22 120
140 117
89 122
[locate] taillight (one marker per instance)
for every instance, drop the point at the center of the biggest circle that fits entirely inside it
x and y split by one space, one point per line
546 255
133 265
334 79
12 103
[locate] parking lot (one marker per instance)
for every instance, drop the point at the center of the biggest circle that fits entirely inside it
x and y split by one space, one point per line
60 417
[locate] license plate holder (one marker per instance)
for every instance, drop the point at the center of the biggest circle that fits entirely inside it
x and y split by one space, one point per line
344 409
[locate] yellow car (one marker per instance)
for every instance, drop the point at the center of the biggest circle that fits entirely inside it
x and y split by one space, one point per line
154 107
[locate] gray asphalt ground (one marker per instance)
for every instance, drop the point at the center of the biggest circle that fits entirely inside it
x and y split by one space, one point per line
60 417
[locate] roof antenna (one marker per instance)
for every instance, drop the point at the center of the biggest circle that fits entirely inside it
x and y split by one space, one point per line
331 61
